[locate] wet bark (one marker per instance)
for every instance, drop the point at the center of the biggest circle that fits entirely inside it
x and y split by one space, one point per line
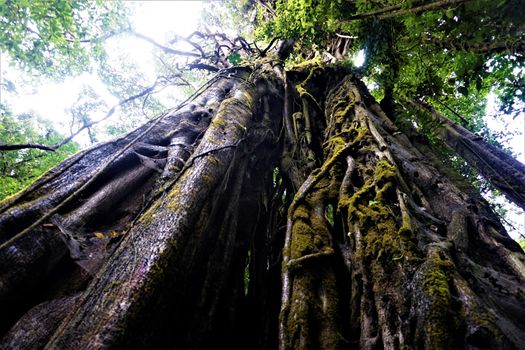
226 223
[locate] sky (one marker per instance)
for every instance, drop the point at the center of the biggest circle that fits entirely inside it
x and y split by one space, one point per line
160 20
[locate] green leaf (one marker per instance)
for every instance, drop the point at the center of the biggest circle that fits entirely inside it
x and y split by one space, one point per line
234 58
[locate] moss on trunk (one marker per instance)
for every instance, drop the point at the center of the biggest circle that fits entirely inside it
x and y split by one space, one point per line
227 223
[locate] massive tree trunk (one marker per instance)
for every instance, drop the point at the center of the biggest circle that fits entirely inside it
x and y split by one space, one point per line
227 222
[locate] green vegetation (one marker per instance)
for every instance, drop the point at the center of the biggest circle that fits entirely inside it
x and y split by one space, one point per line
58 37
452 56
20 168
440 55
282 200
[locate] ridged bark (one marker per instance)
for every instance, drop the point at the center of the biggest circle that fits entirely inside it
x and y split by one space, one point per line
415 246
227 223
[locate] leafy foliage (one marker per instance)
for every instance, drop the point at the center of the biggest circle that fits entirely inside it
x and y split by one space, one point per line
57 37
309 20
234 58
453 56
441 53
20 168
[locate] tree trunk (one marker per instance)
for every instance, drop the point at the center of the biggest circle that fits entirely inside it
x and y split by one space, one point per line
500 169
226 223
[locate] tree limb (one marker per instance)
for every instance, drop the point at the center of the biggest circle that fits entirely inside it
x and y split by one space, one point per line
195 45
510 46
397 10
262 53
203 66
19 146
165 48
14 147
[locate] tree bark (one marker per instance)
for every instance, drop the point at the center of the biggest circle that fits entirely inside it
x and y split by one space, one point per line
500 169
415 247
226 223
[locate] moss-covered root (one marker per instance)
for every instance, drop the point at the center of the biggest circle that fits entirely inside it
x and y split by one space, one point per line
438 313
310 317
448 315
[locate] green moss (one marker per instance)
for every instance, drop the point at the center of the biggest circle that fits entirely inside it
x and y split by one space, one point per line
385 193
441 320
309 234
336 141
148 216
301 213
174 198
311 63
358 201
302 240
219 122
314 299
370 207
435 284
382 240
384 173
406 232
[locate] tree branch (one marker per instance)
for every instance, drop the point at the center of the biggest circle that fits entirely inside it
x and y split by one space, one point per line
465 121
19 146
14 147
203 66
510 46
397 10
165 48
262 53
195 45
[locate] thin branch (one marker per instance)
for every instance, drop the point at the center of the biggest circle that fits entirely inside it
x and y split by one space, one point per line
195 45
397 10
99 38
270 45
465 121
511 46
203 66
19 146
165 48
13 147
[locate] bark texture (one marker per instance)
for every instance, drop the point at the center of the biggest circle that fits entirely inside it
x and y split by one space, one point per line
502 170
269 211
413 244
